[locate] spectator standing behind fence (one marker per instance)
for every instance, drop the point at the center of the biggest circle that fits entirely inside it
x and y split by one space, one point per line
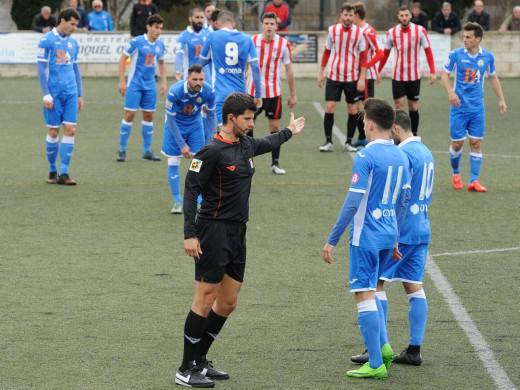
208 10
82 23
99 20
478 15
282 12
140 13
512 22
419 17
44 21
446 21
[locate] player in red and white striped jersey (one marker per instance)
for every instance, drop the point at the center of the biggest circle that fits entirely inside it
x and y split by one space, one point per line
407 39
374 54
273 51
346 43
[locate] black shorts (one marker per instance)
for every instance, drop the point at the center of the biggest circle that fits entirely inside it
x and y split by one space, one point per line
272 108
369 89
334 89
410 89
223 247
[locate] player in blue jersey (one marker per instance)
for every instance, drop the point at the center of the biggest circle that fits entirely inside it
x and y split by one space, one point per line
146 51
60 80
185 128
408 259
229 50
190 43
374 207
467 112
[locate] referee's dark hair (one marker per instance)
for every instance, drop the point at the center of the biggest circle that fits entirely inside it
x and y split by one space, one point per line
403 119
237 103
380 112
67 14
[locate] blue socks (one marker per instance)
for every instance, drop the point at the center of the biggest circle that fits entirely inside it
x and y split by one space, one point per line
475 161
417 316
382 309
52 147
124 134
455 160
368 320
147 132
174 179
66 149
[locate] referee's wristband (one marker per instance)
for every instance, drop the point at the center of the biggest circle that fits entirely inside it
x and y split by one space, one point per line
48 98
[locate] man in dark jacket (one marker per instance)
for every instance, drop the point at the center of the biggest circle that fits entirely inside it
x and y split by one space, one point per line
82 22
446 21
141 11
419 16
44 21
478 15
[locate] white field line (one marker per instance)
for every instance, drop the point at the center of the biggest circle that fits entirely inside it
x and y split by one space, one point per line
516 248
462 317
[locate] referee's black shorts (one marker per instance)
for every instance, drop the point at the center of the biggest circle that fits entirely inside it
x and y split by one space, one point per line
223 247
410 89
334 90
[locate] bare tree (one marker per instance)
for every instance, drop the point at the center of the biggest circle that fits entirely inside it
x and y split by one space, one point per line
6 22
117 8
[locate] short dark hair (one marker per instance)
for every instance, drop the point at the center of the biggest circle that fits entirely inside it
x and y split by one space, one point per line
155 18
269 15
237 103
214 15
475 27
67 14
403 119
209 4
197 68
404 8
359 10
225 16
380 112
347 7
417 5
193 10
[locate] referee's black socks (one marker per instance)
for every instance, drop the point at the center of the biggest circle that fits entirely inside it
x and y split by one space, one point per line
193 328
212 327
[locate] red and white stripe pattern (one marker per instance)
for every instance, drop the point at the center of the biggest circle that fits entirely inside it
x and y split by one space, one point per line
372 49
346 45
271 56
407 43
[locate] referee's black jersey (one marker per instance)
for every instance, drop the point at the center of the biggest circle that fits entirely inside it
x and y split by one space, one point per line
222 172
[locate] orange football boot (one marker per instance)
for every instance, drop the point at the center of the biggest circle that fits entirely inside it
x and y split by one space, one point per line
476 186
457 183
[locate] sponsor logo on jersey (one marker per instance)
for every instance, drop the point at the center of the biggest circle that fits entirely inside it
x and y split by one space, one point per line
230 70
232 168
355 178
41 52
195 165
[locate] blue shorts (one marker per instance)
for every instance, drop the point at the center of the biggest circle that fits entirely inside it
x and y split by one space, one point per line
472 123
64 110
193 136
364 267
145 99
409 269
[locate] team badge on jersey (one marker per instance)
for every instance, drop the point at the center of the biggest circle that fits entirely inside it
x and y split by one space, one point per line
199 100
355 178
480 63
69 45
195 165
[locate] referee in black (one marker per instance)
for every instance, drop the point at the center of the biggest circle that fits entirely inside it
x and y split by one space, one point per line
222 172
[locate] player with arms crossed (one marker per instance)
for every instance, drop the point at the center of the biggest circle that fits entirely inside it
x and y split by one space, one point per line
185 127
347 71
375 204
467 112
408 259
273 50
407 39
60 80
229 50
146 51
222 171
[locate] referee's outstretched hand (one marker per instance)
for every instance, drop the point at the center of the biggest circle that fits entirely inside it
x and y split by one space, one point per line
296 125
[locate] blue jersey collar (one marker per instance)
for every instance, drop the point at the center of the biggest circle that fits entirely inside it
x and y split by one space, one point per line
188 92
473 55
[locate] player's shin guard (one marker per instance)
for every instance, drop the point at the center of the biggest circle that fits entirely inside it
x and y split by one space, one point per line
382 308
124 134
52 147
328 123
455 160
66 149
475 162
417 316
174 178
147 131
212 327
351 126
192 334
414 118
368 320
